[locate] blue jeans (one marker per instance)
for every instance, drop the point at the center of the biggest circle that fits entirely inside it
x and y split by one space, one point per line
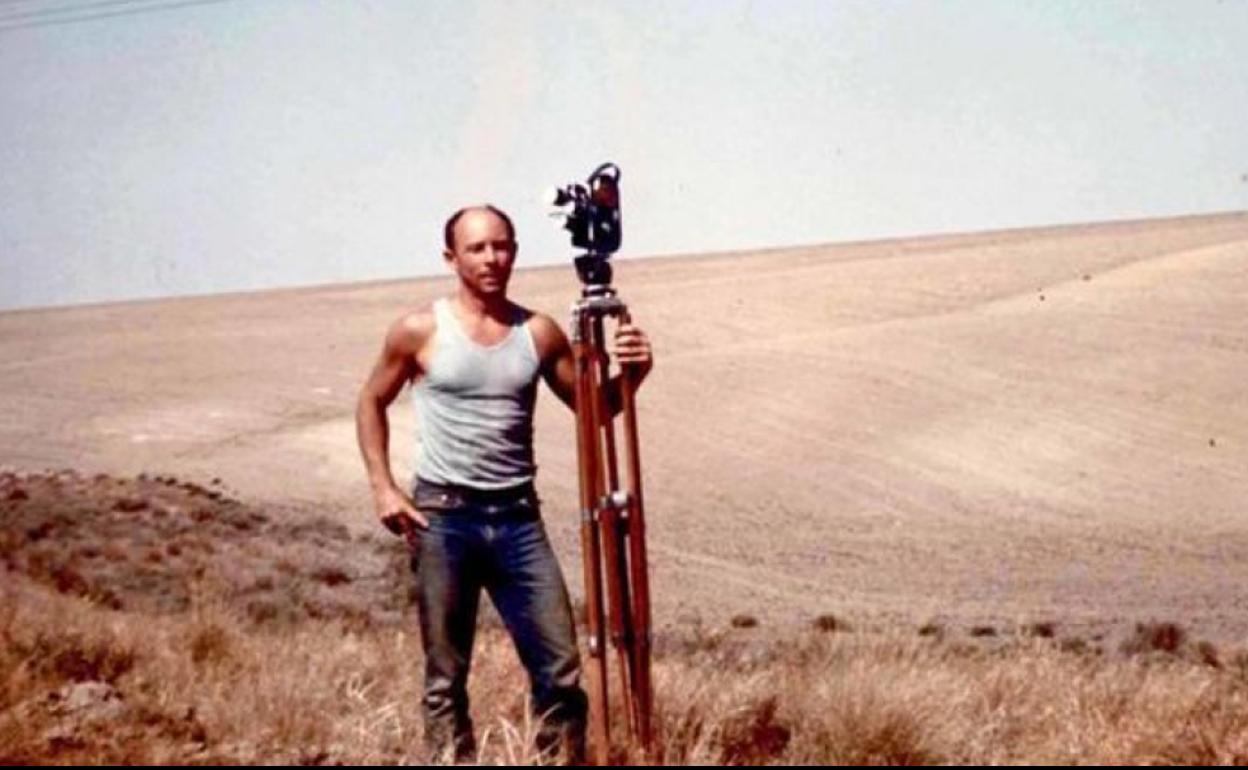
500 546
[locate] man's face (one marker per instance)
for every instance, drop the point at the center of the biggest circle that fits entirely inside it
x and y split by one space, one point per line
483 252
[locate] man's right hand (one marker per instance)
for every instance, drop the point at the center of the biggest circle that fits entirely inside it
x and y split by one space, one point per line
399 516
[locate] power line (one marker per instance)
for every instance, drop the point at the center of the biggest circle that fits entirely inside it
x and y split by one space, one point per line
48 4
73 8
55 16
16 3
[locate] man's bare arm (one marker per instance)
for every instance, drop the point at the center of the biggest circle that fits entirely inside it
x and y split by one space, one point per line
394 368
631 347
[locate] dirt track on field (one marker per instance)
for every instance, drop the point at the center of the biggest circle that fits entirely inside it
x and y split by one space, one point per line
1041 424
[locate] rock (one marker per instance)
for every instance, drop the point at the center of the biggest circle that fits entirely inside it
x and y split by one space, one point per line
829 623
87 701
62 737
130 504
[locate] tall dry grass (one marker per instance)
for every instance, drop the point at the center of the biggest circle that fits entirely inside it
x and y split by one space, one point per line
898 699
149 620
80 683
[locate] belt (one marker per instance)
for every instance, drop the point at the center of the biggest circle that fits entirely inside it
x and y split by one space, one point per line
437 496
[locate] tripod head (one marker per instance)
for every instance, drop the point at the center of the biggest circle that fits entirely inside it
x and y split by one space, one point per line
591 213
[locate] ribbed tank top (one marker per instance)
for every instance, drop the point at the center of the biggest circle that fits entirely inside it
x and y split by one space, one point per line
474 406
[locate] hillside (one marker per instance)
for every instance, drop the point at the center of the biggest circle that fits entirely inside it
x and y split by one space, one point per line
1038 424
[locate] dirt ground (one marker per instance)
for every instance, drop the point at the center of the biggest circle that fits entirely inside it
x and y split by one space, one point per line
1034 425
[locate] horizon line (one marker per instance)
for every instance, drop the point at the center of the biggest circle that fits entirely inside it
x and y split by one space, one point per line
661 256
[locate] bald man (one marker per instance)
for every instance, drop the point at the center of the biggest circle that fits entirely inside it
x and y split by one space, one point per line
472 519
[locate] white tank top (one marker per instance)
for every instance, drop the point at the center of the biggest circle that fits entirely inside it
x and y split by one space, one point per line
474 406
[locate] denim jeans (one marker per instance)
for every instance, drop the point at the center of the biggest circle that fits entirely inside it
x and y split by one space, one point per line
501 547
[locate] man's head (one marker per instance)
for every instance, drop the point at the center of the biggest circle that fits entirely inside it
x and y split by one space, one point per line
481 248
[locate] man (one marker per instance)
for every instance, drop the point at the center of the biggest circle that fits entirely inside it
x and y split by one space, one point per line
472 521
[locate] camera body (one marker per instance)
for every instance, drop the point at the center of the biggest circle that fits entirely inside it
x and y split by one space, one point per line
591 213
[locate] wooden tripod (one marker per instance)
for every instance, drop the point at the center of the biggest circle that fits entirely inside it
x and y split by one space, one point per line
613 534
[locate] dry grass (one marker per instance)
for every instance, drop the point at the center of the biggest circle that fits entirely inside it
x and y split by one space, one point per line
104 668
881 699
210 686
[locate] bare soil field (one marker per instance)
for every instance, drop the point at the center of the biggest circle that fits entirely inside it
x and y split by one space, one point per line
973 431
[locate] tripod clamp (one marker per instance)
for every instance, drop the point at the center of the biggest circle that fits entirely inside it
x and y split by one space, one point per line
618 501
597 301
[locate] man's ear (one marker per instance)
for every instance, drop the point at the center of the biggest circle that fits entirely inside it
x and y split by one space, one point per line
449 256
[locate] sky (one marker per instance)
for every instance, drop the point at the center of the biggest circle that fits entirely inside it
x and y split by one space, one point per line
166 147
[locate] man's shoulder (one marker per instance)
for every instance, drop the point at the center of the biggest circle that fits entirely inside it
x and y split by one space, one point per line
413 329
548 336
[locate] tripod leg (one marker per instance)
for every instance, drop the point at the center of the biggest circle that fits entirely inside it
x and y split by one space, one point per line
610 534
614 559
590 475
603 416
639 573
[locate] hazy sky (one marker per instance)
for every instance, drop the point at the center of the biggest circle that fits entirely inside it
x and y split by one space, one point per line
171 147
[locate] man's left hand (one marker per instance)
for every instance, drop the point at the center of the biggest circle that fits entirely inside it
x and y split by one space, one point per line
632 347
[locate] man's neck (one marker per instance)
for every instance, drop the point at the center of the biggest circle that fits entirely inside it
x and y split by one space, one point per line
472 305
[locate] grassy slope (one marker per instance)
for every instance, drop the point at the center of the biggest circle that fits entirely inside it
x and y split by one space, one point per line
186 670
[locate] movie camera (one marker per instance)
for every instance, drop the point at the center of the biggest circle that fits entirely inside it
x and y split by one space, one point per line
591 213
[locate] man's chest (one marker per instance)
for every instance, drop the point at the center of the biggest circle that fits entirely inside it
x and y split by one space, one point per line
481 373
